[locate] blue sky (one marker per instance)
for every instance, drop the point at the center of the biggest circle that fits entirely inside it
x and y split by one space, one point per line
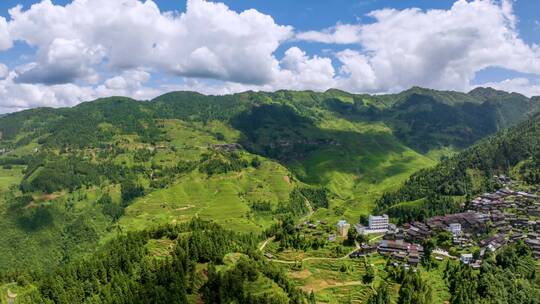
59 53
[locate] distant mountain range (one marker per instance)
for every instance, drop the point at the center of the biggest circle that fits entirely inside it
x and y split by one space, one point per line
422 118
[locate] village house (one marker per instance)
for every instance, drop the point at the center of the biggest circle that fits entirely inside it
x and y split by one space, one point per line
466 258
534 244
364 249
416 232
401 250
378 222
332 238
343 228
455 229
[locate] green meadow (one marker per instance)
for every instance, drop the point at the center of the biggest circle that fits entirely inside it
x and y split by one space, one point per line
10 177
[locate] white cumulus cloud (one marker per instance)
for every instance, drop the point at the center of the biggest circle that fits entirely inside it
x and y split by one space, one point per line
340 33
434 48
299 71
521 85
93 48
5 38
208 40
19 96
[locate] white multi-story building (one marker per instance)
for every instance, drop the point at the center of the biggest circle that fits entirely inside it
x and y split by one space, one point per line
455 228
378 222
343 228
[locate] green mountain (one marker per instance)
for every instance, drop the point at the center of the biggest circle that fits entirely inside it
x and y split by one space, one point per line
426 119
513 152
72 178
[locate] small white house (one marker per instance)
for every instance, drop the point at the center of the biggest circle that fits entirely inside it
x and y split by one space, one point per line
466 258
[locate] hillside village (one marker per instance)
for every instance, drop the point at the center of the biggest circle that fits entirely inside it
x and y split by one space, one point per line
487 223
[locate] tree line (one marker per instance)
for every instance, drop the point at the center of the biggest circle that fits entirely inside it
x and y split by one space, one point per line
124 271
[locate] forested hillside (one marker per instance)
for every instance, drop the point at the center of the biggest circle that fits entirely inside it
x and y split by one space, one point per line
200 262
171 264
514 152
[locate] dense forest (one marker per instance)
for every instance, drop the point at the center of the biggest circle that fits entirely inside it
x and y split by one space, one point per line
507 277
124 271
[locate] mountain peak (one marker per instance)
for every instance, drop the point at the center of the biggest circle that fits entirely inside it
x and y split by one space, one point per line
485 93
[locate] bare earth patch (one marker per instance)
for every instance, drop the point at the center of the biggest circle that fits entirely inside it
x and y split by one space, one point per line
287 179
318 285
300 275
184 208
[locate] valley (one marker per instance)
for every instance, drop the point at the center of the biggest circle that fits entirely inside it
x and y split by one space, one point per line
80 183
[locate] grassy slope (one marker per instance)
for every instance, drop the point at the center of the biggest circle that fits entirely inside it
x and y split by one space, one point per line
340 281
10 177
370 160
224 198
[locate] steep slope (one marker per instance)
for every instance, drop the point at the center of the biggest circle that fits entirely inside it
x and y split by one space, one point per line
515 151
510 106
428 119
186 263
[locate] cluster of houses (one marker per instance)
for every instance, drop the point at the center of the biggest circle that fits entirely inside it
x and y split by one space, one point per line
533 241
401 251
397 248
514 215
491 221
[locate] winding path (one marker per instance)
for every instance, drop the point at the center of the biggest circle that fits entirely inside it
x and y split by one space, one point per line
266 242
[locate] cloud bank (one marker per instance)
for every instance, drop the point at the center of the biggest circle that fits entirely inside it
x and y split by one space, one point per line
92 48
440 49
